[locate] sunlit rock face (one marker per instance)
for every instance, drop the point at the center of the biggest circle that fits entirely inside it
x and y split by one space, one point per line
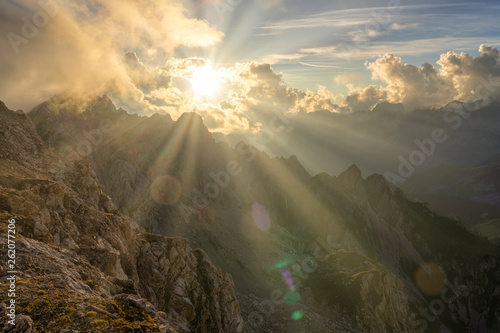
261 218
83 265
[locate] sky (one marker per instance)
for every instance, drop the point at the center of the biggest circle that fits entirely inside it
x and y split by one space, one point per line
312 41
234 61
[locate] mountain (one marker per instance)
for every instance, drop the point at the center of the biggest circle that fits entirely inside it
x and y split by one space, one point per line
378 140
468 193
83 266
307 253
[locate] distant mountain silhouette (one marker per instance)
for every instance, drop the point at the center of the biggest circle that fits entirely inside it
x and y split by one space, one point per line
468 193
375 140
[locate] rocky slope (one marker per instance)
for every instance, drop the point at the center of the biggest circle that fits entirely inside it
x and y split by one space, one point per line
273 226
84 266
353 283
424 252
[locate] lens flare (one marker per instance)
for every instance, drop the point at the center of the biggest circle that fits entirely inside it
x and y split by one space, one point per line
166 190
291 297
297 315
260 216
288 278
430 278
281 264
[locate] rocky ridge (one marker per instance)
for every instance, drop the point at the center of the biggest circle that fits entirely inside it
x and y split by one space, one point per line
82 265
368 217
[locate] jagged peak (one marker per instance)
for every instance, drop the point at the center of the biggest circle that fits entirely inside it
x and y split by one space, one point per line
378 181
190 116
192 124
194 120
351 172
472 106
351 177
388 107
101 105
294 163
293 158
6 112
162 116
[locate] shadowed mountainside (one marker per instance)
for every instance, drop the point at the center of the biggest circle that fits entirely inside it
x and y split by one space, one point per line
258 217
468 193
83 265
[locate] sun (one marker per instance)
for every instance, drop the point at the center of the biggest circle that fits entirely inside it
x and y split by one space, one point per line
205 81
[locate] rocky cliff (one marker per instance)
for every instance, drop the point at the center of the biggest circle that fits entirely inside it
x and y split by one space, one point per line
274 227
84 266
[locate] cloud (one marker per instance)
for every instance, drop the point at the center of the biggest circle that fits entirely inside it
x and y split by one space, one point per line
148 23
184 66
364 35
345 79
252 94
310 101
403 26
456 77
81 48
340 18
256 91
57 45
453 77
413 86
141 77
318 65
275 58
259 93
364 98
373 31
477 76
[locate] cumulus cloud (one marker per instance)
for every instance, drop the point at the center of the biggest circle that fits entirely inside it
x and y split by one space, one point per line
323 99
476 76
81 47
456 77
256 91
250 95
413 86
253 92
364 98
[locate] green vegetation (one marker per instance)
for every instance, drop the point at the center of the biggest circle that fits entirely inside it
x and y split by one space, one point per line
54 308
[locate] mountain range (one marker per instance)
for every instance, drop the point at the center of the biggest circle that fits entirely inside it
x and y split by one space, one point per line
131 216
